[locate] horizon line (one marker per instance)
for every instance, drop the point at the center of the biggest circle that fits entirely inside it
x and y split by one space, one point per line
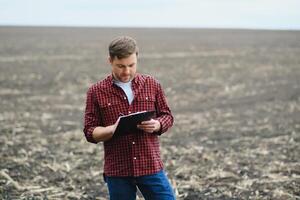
147 27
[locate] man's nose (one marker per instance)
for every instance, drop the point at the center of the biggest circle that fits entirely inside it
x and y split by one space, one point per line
126 69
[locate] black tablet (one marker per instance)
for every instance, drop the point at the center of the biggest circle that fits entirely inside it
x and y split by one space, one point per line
128 123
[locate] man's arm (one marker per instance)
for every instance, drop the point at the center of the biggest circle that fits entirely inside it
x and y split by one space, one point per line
164 114
164 119
93 130
102 134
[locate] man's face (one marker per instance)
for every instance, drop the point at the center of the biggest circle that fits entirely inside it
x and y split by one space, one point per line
124 69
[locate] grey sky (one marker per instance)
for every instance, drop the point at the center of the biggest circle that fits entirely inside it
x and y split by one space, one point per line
263 14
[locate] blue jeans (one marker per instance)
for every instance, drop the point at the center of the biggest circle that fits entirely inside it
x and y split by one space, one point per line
153 187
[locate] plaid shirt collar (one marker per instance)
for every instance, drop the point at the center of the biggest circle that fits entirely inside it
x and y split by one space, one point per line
137 80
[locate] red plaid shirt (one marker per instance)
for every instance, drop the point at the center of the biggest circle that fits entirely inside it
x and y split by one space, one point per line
135 154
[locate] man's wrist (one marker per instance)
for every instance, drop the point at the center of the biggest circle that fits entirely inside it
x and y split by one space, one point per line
111 129
158 129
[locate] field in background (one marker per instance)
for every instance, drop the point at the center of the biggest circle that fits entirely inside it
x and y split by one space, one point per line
235 95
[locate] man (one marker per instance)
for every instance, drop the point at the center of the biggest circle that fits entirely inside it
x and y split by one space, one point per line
131 160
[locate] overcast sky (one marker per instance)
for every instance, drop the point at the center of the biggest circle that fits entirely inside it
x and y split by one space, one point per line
262 14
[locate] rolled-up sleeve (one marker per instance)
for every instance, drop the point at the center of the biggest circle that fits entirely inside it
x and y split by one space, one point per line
92 115
164 115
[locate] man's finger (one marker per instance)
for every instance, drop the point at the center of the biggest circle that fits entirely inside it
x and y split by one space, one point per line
147 122
146 126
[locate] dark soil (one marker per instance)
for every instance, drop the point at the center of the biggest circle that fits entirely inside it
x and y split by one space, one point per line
235 95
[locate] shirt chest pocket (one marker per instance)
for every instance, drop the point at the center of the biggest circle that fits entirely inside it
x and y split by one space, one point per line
109 103
145 102
110 110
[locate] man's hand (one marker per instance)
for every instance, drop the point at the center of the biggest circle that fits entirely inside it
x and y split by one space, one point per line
150 126
114 126
105 133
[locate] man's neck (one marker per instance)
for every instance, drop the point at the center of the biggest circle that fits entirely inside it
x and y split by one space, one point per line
115 80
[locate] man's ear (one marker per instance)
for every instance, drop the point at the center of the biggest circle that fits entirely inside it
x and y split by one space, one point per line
110 60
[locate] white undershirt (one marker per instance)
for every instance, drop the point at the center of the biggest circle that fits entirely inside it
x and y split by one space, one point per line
126 87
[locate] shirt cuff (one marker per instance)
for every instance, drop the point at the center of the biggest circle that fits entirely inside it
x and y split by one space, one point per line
89 135
163 126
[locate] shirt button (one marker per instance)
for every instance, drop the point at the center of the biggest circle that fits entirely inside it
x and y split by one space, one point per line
146 98
125 98
133 142
134 158
129 112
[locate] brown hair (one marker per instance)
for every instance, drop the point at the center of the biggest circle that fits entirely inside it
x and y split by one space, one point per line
122 47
